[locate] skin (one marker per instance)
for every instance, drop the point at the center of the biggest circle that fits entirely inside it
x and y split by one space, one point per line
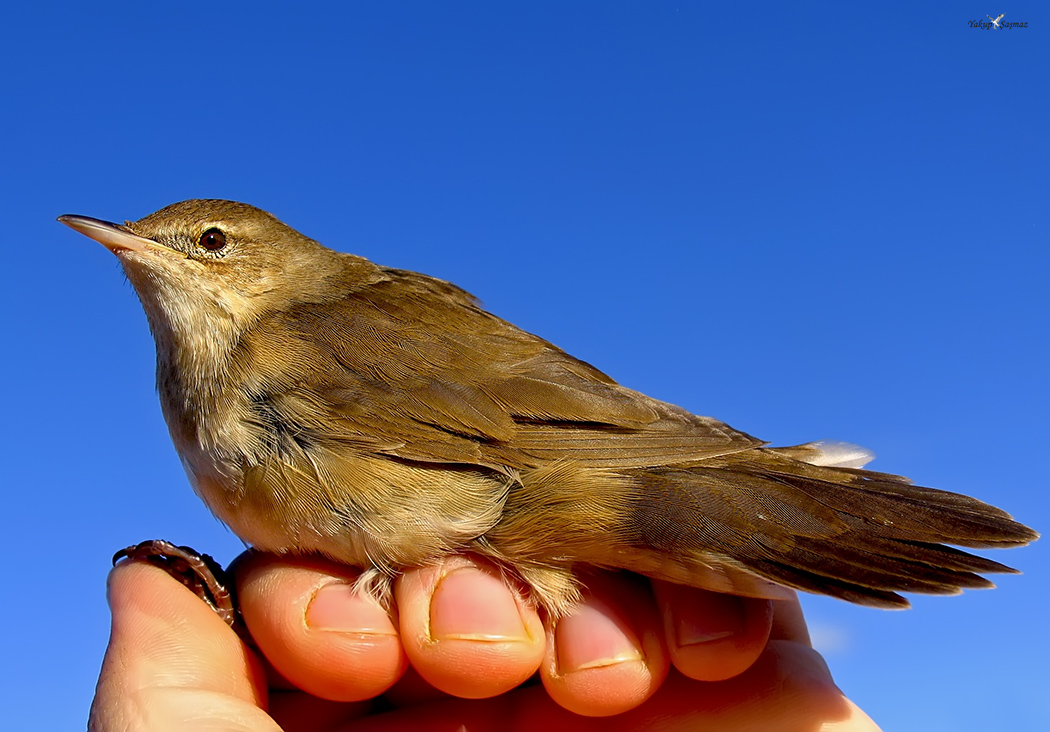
172 664
325 406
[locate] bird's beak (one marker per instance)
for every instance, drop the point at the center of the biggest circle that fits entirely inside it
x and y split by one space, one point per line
112 236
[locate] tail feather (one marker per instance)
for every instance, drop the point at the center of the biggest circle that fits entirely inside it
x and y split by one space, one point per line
855 534
905 510
842 589
910 517
879 571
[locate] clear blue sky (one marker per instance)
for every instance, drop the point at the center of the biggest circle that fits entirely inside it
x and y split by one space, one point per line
811 221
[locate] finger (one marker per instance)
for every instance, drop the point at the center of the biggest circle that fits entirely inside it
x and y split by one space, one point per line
712 636
172 664
787 689
788 622
465 630
317 632
608 655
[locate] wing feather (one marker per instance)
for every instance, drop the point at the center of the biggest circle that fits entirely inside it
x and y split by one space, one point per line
414 365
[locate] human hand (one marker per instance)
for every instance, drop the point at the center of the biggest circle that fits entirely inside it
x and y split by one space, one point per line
173 664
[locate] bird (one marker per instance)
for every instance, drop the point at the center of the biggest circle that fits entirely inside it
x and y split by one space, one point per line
322 404
995 21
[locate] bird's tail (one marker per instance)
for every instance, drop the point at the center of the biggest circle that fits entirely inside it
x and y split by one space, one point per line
803 518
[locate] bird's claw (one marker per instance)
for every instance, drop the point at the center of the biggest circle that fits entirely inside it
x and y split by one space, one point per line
198 572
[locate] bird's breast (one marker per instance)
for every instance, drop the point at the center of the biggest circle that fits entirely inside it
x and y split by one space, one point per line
334 499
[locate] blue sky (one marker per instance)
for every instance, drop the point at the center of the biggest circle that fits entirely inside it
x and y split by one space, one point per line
810 220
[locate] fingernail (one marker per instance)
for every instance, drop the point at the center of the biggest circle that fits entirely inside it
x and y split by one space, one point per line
722 617
337 607
594 637
469 604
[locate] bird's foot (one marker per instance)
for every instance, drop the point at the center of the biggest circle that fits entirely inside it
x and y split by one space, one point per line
199 572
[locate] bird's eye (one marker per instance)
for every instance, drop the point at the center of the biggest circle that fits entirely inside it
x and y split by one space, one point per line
213 240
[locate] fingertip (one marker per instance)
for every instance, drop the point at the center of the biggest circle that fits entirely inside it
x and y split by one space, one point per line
153 612
316 630
465 630
170 656
712 636
607 656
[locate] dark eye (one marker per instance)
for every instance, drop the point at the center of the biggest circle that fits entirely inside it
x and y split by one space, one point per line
213 240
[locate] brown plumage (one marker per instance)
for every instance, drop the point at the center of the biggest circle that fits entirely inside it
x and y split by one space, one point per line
321 403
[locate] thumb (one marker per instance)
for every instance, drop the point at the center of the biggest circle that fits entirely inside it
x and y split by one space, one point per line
172 663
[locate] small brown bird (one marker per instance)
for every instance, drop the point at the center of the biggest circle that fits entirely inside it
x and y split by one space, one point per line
324 404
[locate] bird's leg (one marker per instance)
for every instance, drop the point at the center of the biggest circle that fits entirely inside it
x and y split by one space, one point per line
199 572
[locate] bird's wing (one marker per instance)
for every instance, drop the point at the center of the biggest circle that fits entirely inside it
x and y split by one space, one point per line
415 369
